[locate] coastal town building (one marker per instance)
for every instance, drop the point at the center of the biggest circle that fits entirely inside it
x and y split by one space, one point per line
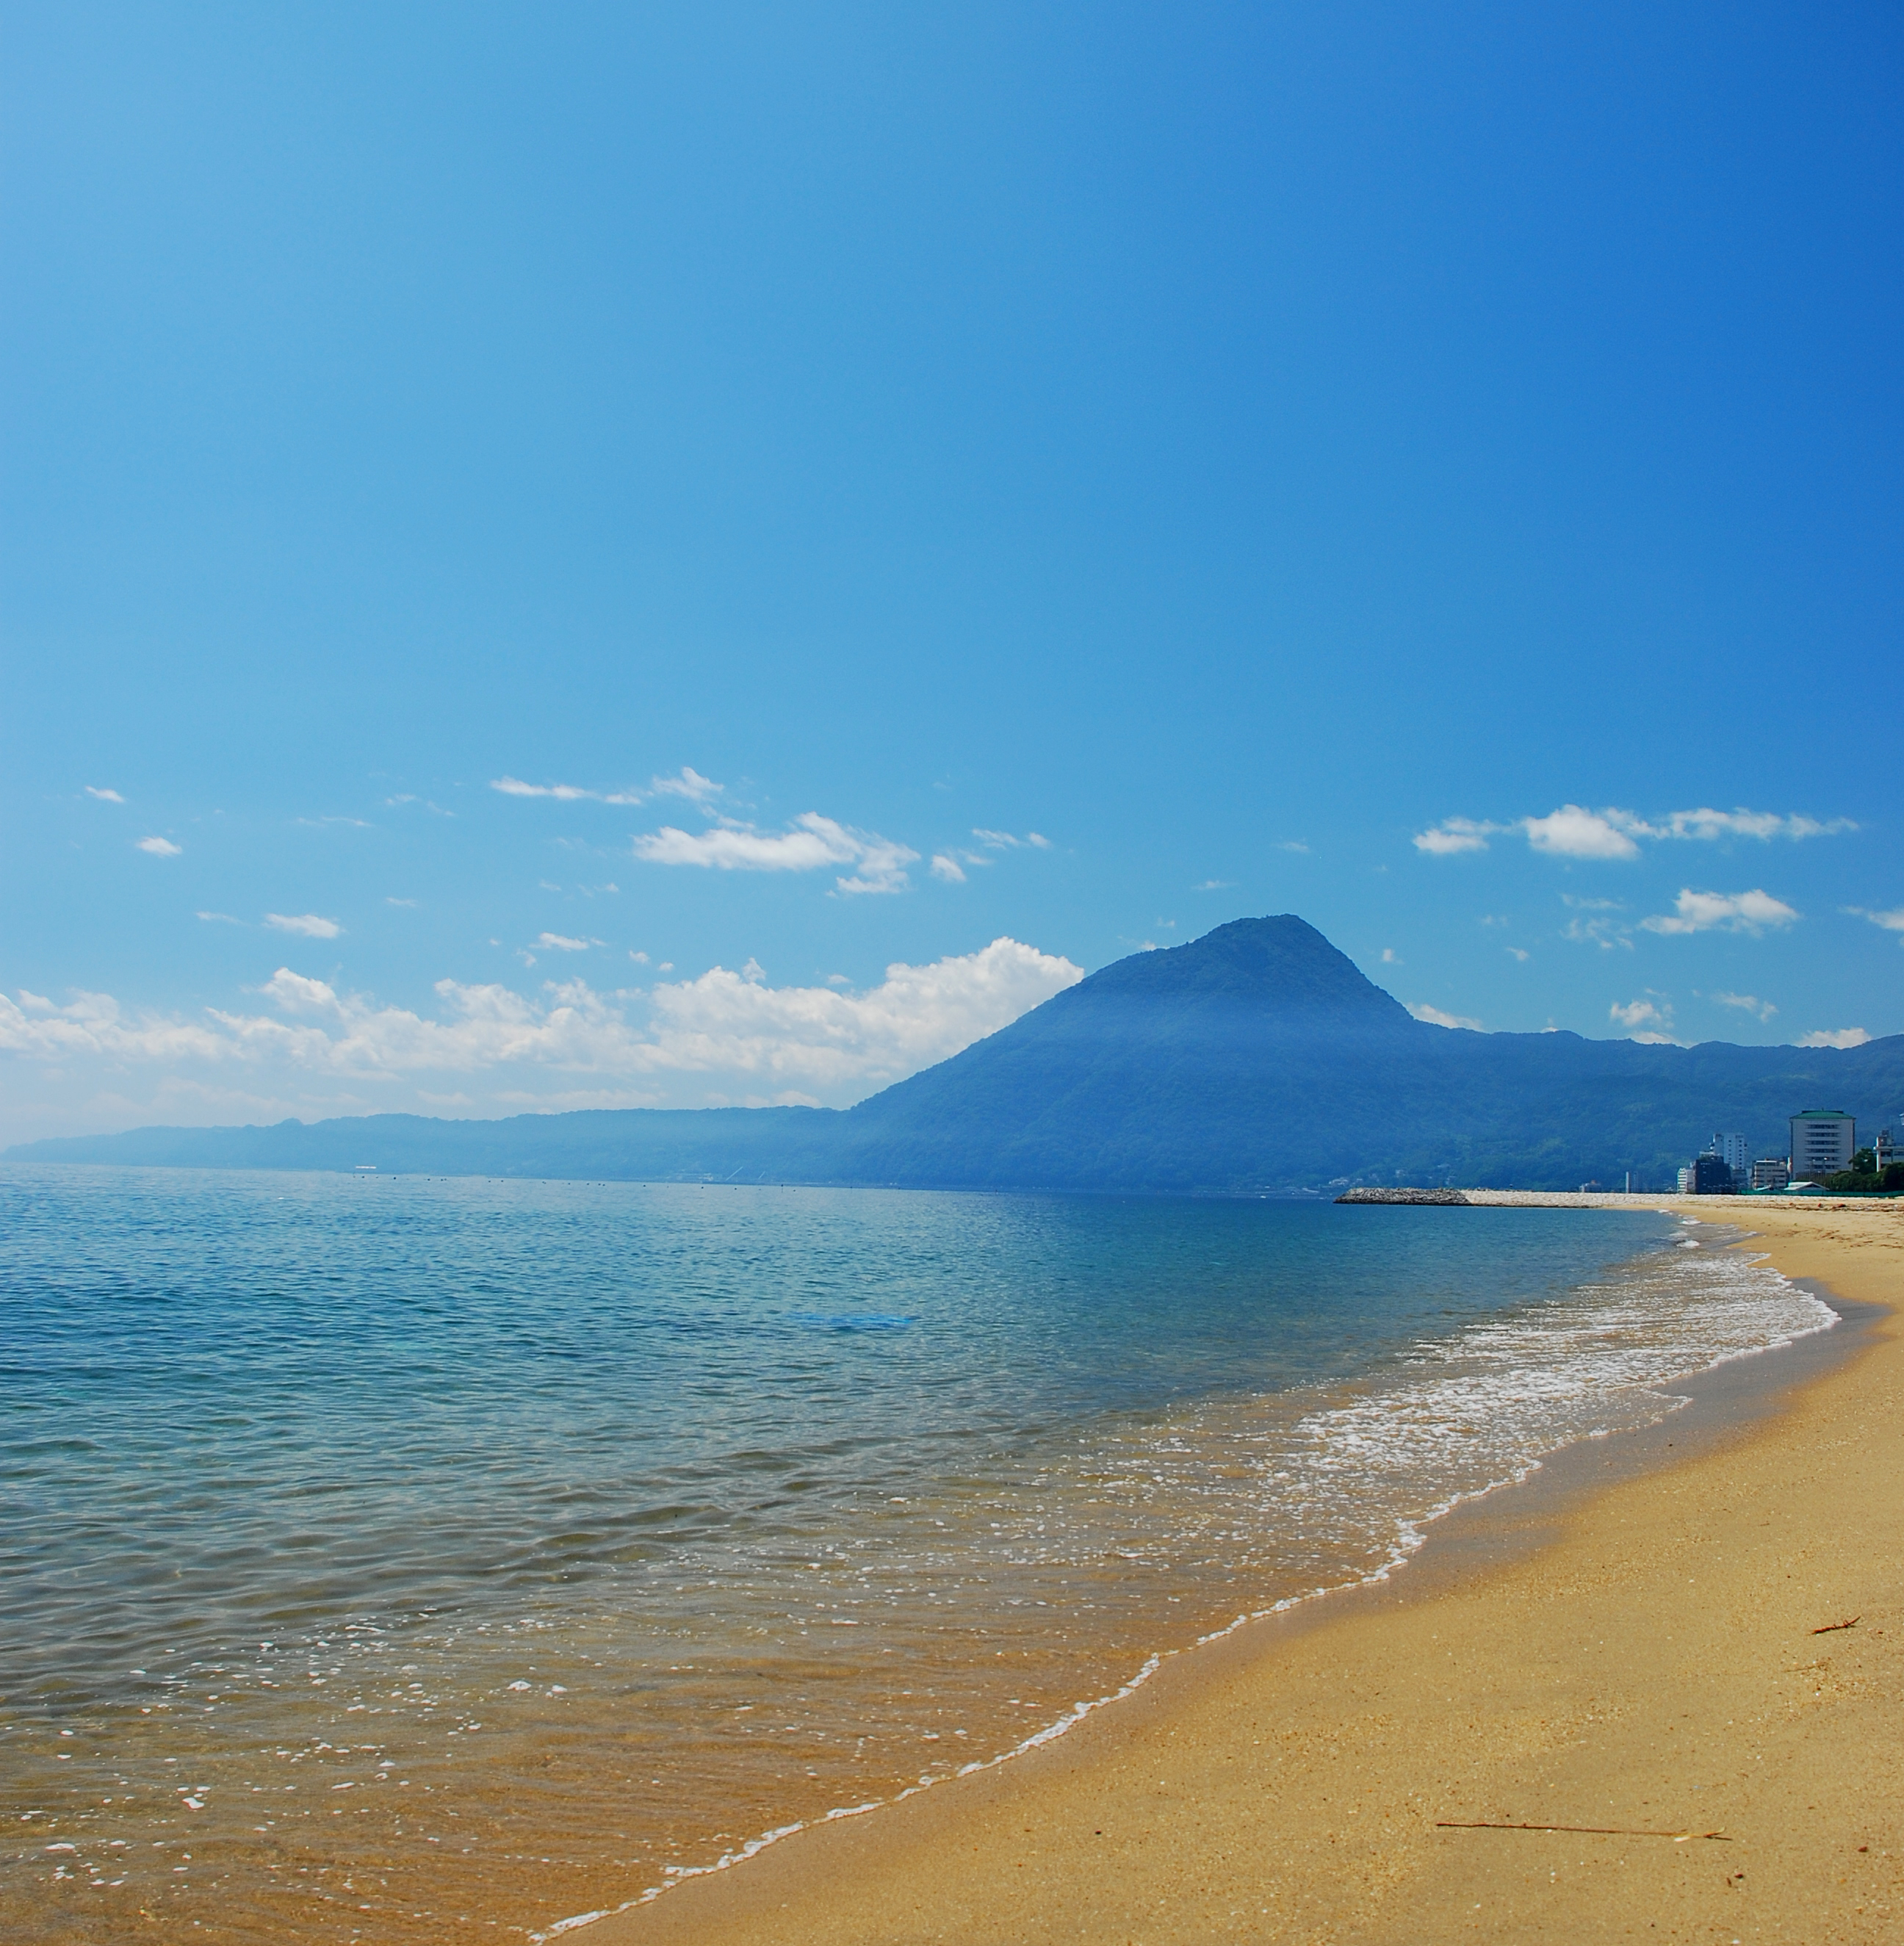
1823 1140
1770 1172
1708 1176
1886 1150
1737 1154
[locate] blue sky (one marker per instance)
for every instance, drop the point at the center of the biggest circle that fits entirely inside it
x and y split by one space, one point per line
1063 476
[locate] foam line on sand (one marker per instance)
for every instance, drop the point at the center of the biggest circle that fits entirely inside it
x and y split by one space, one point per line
1490 1749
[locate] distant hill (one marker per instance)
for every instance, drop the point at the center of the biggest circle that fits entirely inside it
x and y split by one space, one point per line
1255 1058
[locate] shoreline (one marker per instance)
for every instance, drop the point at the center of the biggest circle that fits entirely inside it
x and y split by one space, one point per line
858 1878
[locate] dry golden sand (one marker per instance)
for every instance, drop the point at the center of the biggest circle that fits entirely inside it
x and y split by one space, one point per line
1653 1666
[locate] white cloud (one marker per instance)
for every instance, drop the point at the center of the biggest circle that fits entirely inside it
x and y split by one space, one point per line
1293 845
307 925
160 847
1732 912
1642 1014
1435 1018
1390 957
1455 834
1215 886
220 918
94 1023
1520 953
1574 832
1892 922
687 782
1708 824
951 863
389 901
557 942
1592 923
563 793
814 841
1748 1003
1834 1037
104 796
763 1042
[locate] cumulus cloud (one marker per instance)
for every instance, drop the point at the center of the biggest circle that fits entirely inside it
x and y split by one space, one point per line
1644 1019
687 782
95 1024
1748 1003
104 796
306 926
1573 831
810 843
1730 912
1834 1037
558 942
945 866
764 1040
160 847
1435 1018
1455 834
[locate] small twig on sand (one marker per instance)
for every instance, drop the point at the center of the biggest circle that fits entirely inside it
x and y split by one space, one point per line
1830 1628
1586 1831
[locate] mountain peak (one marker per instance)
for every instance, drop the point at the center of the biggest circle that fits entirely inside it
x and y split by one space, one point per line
1280 966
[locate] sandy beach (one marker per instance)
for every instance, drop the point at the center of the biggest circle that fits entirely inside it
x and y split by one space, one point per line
1699 1665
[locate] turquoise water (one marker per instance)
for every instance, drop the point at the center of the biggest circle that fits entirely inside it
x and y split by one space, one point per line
381 1557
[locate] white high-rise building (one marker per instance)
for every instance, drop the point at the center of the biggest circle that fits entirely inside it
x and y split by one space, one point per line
1737 1154
1823 1140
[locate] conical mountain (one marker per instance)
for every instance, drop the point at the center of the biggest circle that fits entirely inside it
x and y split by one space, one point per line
1138 1074
1257 1057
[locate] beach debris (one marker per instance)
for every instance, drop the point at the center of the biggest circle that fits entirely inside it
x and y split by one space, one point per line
1831 1628
1584 1830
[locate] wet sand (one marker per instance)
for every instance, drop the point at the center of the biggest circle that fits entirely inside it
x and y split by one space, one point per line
1649 1651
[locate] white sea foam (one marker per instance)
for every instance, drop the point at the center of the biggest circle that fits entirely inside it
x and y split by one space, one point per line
1354 1484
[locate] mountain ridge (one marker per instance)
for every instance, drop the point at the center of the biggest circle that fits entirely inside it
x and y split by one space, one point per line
1257 1058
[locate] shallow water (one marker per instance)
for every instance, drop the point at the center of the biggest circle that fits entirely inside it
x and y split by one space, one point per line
384 1558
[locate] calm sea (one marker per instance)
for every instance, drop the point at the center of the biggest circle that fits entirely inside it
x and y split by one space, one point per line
392 1558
